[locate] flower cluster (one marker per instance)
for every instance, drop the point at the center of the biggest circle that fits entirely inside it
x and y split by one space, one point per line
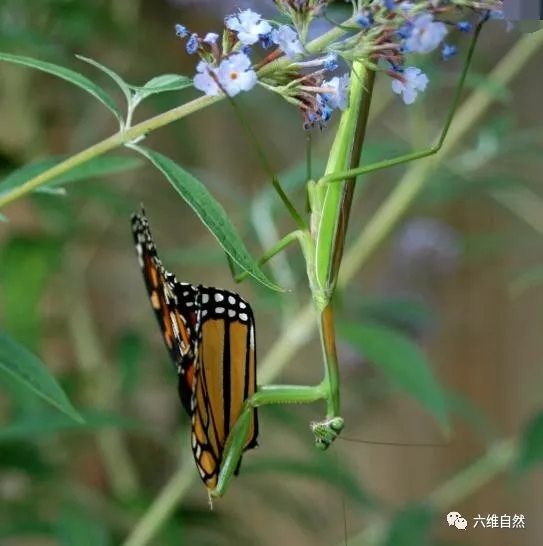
383 34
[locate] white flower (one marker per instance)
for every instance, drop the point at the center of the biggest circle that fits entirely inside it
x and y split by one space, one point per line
211 38
339 97
415 82
426 34
287 39
235 74
204 81
406 7
248 25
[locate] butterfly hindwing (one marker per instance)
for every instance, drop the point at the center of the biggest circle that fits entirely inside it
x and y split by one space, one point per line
225 378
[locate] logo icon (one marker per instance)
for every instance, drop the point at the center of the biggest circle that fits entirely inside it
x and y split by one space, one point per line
461 523
452 517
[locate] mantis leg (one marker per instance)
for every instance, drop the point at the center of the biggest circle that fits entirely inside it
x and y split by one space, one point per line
297 235
351 173
324 432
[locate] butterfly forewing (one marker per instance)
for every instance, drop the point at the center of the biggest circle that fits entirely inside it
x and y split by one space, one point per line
175 306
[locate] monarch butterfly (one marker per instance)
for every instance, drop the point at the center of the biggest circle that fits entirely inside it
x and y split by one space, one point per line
210 336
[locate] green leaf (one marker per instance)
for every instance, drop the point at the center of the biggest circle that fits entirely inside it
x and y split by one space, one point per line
402 313
531 446
27 265
161 84
210 212
19 363
463 407
410 526
95 168
70 76
125 88
402 361
47 423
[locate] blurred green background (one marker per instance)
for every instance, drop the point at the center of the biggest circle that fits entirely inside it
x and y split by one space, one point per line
460 277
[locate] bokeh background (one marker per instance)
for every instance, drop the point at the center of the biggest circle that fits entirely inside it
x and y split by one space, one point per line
460 276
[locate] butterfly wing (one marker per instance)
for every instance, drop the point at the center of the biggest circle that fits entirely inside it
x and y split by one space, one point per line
175 305
225 377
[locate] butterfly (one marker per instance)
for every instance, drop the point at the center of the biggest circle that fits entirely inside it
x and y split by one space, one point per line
210 336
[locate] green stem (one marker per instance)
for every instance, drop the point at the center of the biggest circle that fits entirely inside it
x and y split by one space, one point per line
110 143
163 507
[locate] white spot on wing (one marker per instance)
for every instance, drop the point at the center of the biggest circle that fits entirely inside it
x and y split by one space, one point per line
231 313
219 309
243 317
205 298
231 300
219 297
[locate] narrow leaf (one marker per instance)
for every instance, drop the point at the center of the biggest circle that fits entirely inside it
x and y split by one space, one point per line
531 446
70 76
402 361
161 84
20 364
210 212
125 88
94 168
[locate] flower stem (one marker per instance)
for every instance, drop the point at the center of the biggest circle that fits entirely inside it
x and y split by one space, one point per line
106 145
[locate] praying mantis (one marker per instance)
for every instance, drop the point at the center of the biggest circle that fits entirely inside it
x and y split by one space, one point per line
321 239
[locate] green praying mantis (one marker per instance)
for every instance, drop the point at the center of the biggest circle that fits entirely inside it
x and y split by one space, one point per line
321 239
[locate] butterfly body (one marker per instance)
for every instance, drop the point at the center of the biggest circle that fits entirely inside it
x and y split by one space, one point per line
210 336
